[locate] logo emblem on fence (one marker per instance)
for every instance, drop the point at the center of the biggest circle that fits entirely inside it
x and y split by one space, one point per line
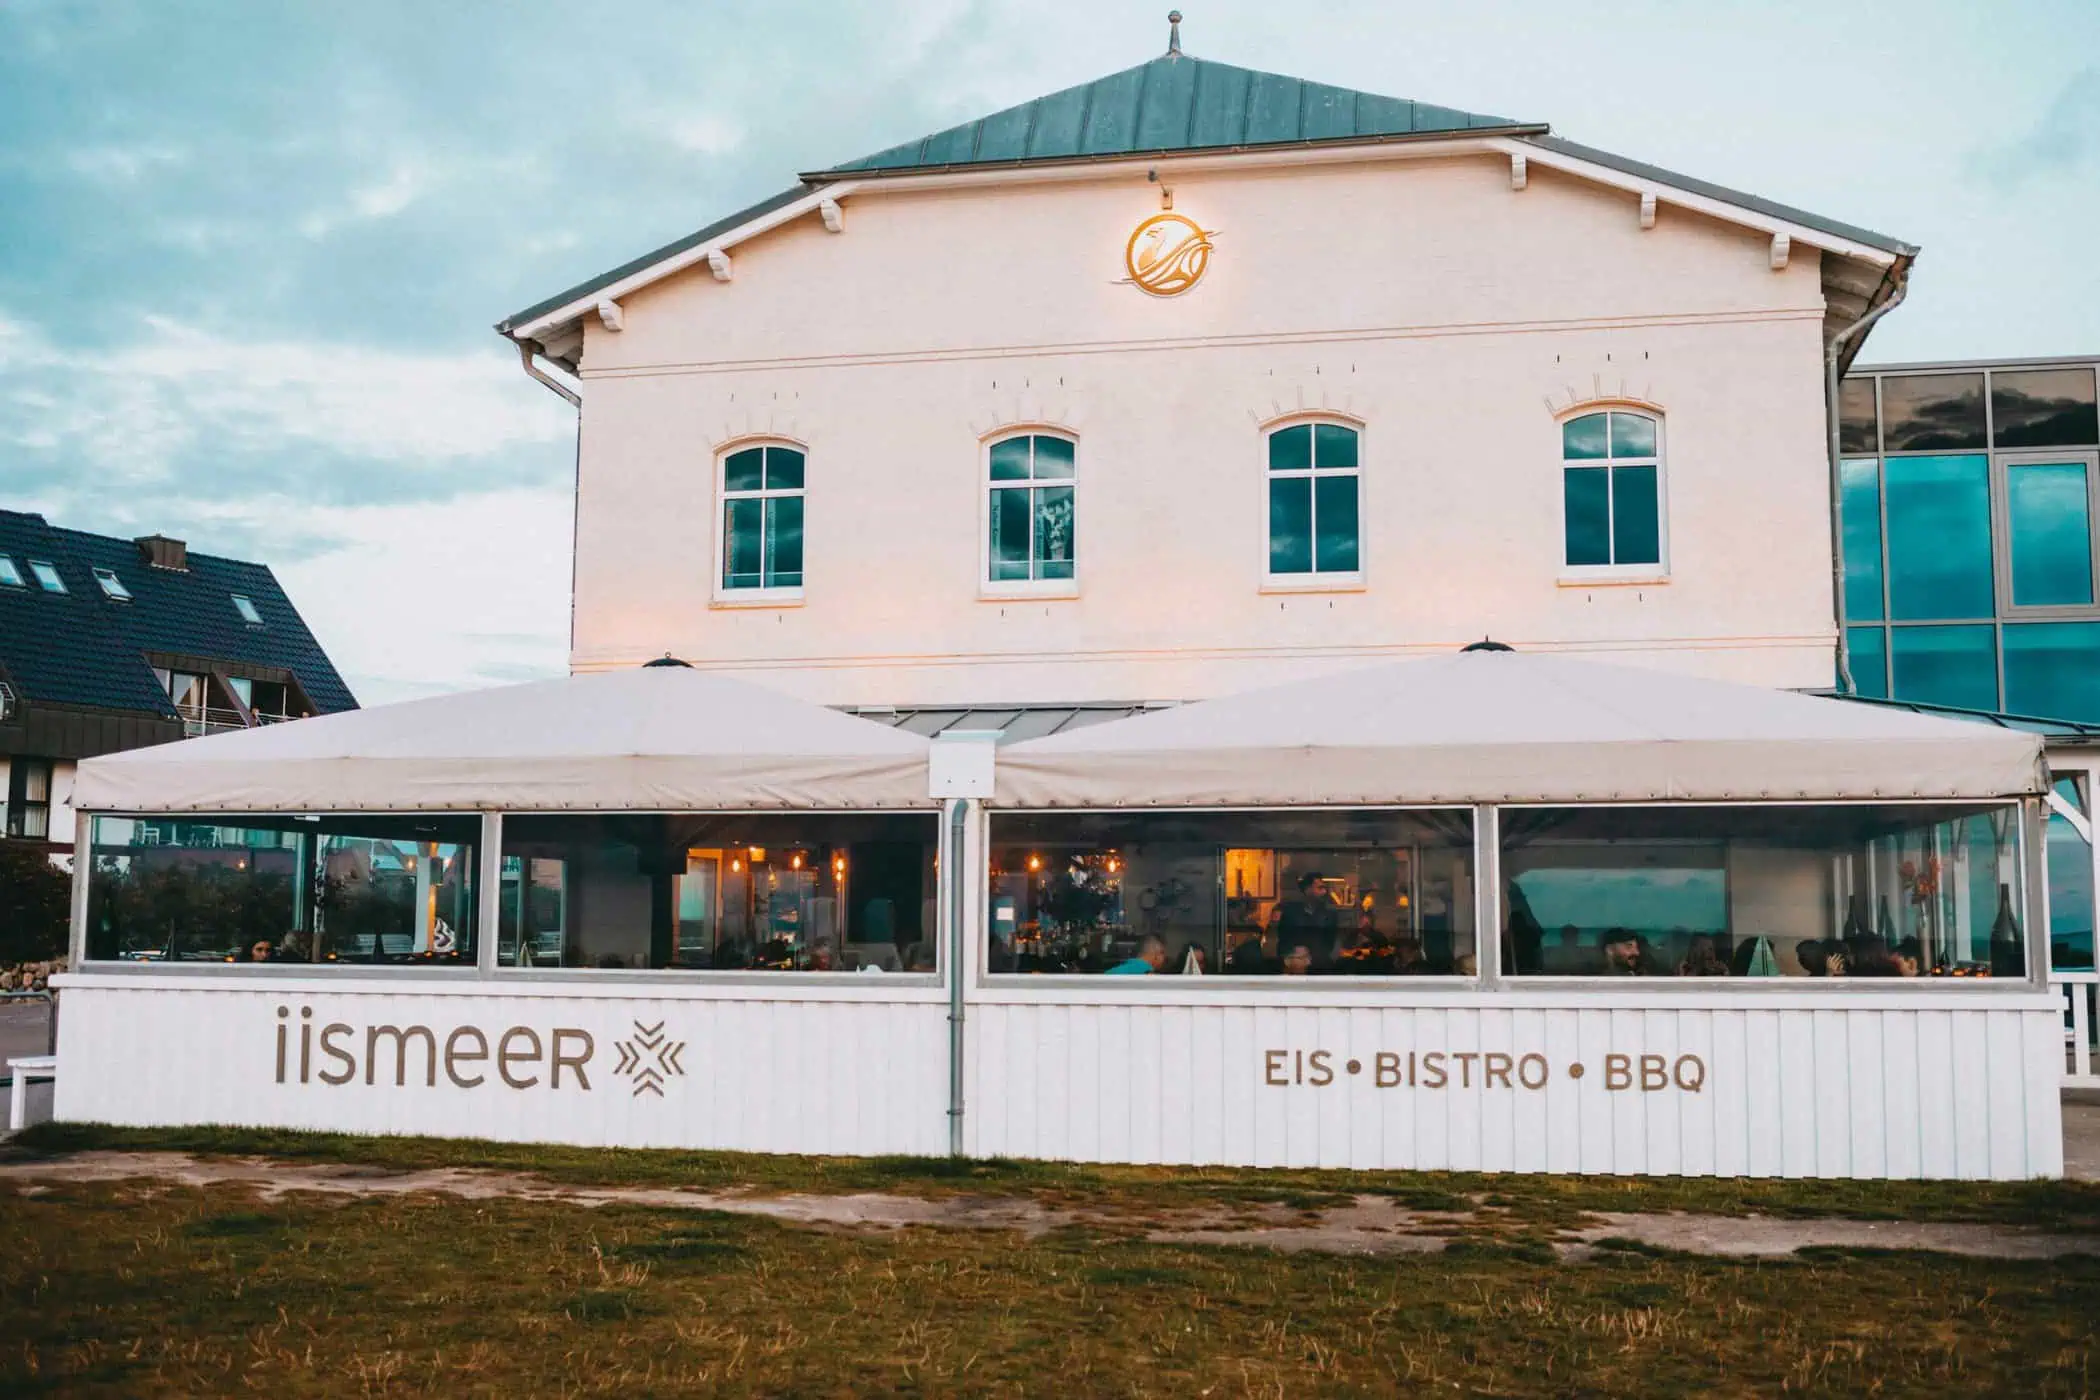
1167 254
649 1057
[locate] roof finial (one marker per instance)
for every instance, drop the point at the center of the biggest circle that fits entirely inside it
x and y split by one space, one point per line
1173 33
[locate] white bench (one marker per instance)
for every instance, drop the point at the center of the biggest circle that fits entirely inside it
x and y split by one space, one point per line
25 1068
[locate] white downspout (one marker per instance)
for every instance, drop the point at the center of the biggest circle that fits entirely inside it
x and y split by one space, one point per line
1831 351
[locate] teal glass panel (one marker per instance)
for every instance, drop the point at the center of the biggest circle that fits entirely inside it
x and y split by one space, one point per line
1939 537
2044 408
1010 534
1010 459
744 471
1290 449
1955 666
783 469
2052 534
743 522
2070 887
1053 459
1334 446
1586 493
1586 437
1335 525
1290 525
1867 654
1859 507
1636 515
2052 670
784 542
1053 532
1632 435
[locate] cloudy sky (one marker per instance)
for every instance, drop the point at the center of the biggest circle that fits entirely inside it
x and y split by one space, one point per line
250 253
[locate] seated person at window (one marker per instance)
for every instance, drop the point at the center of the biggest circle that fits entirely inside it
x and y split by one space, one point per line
1310 920
1625 953
1297 960
1151 957
1701 958
1248 957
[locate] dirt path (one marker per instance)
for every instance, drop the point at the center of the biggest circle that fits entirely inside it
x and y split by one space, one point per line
1369 1225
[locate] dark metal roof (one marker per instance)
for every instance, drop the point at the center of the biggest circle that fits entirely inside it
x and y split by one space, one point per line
1012 723
2064 731
81 648
1172 104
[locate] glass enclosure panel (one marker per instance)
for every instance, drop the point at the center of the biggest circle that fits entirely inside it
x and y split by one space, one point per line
770 892
2044 408
1010 533
2052 670
743 524
363 890
2047 504
1334 447
1636 515
1860 510
1290 525
1939 537
1931 412
1290 449
1334 519
1242 893
1586 498
1632 435
1868 650
1858 429
784 542
1955 666
744 471
1586 437
2070 885
1863 891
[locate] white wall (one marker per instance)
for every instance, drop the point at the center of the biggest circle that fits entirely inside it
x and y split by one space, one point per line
1449 314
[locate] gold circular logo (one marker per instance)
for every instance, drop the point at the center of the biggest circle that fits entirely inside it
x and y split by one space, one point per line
1167 255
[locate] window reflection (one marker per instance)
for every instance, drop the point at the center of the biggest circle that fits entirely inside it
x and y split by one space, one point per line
1939 537
1241 893
2044 408
283 890
1955 666
1896 891
2070 883
2052 533
2052 669
1931 412
748 893
1858 429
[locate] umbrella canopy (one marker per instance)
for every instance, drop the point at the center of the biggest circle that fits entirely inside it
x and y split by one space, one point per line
657 738
1500 726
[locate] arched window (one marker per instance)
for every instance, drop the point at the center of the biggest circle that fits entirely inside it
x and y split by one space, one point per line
1032 531
1611 490
1314 521
762 518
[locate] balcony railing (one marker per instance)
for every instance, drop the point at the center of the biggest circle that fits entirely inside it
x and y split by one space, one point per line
210 721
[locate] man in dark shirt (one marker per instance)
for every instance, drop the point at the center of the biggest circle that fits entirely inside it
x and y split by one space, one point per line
1310 920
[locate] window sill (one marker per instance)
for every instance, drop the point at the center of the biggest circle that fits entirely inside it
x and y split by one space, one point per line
1314 583
1614 577
1019 592
757 598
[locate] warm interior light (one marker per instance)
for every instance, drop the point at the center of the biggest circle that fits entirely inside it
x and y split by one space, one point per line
1035 862
735 865
796 862
757 853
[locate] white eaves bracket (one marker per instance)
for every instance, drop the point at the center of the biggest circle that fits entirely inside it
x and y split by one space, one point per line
1782 248
833 216
1647 208
609 315
718 263
1519 172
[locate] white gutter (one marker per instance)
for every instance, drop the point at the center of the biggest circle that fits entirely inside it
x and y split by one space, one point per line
532 368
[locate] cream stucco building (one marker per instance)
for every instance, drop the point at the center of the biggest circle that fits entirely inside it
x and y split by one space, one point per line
1453 290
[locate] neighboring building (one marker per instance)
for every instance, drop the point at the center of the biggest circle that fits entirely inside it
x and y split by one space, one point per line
1968 522
109 644
976 421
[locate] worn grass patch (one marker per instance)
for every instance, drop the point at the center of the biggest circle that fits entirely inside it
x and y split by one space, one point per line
1528 1204
109 1289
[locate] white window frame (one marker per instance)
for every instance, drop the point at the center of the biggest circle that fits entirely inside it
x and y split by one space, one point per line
112 587
721 594
11 573
1314 581
988 588
242 612
47 576
1586 575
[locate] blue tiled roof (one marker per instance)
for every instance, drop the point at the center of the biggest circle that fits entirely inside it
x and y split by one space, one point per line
82 648
1174 103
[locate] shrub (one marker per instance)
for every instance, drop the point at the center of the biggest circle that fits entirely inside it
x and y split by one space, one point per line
34 904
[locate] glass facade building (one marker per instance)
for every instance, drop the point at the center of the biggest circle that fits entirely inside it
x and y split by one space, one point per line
1966 504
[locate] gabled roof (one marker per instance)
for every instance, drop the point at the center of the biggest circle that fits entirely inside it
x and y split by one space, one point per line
82 648
1172 104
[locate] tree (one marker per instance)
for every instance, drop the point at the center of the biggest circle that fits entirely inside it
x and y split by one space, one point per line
35 896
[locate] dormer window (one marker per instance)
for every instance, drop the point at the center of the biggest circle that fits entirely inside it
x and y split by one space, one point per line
112 586
246 609
10 574
47 576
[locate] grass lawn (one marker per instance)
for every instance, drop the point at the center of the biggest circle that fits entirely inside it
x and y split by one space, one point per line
144 1289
